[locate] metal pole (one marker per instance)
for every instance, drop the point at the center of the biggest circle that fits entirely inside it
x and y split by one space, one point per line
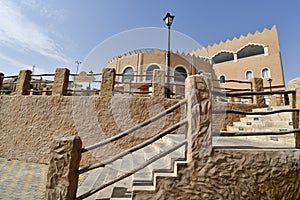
270 82
168 92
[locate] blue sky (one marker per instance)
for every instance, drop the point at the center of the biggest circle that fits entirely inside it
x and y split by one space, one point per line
56 33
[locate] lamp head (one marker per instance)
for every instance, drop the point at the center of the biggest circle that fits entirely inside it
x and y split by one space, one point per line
168 19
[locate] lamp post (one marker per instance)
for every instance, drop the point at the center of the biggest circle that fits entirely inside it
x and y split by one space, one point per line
270 82
168 20
91 73
78 63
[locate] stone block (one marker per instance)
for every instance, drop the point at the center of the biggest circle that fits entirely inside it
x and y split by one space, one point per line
199 116
258 86
61 79
158 84
108 82
62 177
23 84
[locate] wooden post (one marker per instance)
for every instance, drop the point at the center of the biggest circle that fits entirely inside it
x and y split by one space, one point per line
258 86
1 81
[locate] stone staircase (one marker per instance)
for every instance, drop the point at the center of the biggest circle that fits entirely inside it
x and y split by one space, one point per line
144 179
278 122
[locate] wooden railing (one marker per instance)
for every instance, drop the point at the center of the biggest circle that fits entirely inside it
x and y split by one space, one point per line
295 113
8 84
133 149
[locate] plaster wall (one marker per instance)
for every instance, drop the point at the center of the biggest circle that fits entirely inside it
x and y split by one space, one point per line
233 174
29 124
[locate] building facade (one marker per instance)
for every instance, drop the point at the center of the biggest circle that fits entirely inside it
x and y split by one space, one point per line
255 55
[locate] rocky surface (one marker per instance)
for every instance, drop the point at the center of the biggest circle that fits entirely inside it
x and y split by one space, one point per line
29 124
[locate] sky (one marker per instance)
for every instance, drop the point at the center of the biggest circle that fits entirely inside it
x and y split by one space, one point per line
55 33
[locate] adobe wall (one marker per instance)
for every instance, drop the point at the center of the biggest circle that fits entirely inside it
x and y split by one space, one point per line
141 60
233 174
225 172
237 69
29 124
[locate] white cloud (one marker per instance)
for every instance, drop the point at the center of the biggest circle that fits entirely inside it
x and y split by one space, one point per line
11 61
17 30
44 10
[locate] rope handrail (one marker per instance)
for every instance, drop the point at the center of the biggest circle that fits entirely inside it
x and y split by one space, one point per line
297 131
136 127
236 94
133 149
254 113
145 164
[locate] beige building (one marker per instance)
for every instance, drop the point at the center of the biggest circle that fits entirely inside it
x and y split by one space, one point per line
254 55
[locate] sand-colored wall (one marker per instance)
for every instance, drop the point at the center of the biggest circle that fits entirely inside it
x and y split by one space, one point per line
29 124
140 61
233 174
236 69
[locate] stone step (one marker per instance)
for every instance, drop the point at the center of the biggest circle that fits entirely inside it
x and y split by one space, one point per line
113 173
260 124
270 108
253 129
150 186
123 189
266 118
89 181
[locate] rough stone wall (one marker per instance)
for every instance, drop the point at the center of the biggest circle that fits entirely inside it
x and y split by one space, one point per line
62 177
225 173
232 174
29 124
61 79
23 84
220 121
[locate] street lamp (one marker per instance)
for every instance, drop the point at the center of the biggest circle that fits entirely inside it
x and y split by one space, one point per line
270 82
91 73
78 63
168 20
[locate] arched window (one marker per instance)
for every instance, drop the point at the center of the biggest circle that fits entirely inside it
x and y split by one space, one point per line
223 57
180 74
250 50
129 74
249 75
222 79
149 72
265 73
